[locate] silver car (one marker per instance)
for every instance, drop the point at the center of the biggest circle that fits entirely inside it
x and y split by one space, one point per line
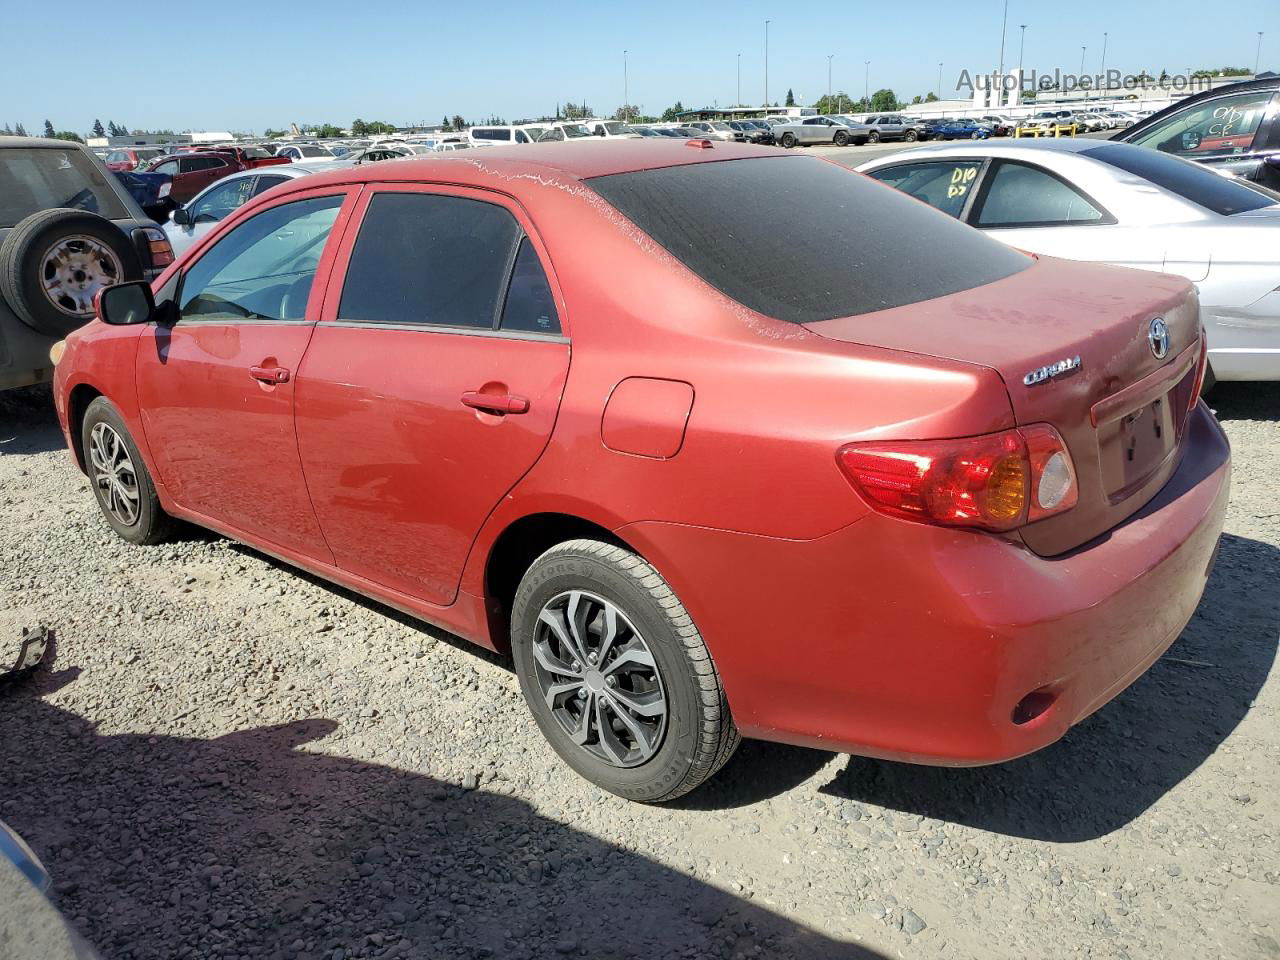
804 131
190 222
1110 202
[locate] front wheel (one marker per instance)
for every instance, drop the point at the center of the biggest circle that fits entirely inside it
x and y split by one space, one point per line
842 139
911 136
616 674
788 140
121 483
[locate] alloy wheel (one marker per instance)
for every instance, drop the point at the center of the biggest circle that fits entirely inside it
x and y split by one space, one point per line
599 678
114 474
74 269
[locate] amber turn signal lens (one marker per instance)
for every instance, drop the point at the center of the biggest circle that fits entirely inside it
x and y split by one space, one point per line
56 351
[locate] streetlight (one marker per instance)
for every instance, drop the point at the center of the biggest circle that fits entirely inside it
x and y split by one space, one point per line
1104 63
1081 73
866 89
939 81
1257 57
829 56
626 94
1022 43
739 79
1004 22
766 63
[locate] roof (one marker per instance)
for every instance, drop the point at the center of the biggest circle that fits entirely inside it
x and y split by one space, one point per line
38 142
564 161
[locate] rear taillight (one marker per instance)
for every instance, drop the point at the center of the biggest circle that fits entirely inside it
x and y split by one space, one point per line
1201 366
999 482
158 247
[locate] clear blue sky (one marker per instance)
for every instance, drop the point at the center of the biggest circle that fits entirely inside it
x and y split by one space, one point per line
251 66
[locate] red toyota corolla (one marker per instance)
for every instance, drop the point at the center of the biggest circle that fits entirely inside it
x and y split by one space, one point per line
714 441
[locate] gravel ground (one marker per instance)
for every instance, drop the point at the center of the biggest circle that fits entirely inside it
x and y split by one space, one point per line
227 758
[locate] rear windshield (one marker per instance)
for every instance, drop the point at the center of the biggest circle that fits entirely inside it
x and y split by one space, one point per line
35 179
1189 180
803 240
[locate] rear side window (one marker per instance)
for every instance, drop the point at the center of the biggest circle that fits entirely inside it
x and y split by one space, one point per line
430 259
943 184
804 240
1020 195
530 307
1189 180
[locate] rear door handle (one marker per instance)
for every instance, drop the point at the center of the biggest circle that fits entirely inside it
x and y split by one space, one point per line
495 403
269 374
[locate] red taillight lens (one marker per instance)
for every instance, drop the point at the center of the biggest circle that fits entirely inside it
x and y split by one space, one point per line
996 482
159 246
1198 384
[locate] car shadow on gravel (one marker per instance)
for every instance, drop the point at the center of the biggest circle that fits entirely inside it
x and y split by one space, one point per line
28 421
1110 768
258 844
1245 401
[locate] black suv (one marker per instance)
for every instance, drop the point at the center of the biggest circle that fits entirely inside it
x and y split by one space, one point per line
1235 129
68 228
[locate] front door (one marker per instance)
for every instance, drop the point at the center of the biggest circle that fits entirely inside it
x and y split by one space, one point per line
216 388
431 385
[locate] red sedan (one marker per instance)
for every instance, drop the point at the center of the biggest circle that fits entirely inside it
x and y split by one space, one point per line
716 442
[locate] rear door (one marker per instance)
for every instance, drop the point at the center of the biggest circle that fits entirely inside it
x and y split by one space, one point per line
432 383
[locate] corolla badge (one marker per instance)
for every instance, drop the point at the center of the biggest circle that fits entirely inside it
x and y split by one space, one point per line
1051 371
1158 337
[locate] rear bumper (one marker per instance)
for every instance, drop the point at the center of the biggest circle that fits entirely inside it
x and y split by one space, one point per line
910 642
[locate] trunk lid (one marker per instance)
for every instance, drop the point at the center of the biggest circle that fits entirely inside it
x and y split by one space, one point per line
1121 410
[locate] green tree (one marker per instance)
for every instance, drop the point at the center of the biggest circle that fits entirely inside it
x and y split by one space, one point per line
19 130
324 130
836 103
68 135
931 98
576 111
444 123
6 131
272 134
627 113
883 101
672 113
48 128
98 130
1224 72
791 98
458 123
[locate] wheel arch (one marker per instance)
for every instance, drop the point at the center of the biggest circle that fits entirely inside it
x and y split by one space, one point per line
82 394
521 542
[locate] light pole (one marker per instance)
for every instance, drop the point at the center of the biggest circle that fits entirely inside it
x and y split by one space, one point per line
1104 63
939 81
1022 44
866 84
626 93
1004 23
1081 74
739 79
829 56
1257 57
766 63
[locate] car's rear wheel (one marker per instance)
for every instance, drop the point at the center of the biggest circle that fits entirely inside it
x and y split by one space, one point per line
788 140
121 484
842 138
976 135
873 136
616 674
54 262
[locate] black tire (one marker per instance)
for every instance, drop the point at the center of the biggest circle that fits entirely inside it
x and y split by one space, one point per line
152 525
24 261
842 138
976 135
788 140
1209 382
699 736
873 136
911 136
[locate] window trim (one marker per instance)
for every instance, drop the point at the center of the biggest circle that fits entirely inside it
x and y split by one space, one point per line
247 212
524 231
979 200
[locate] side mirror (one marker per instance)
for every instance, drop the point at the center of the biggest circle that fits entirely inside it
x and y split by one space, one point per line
181 216
126 303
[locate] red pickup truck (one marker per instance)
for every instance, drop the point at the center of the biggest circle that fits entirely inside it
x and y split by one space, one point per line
247 157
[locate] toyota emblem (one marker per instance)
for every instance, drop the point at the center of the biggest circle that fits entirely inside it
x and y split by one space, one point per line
1158 336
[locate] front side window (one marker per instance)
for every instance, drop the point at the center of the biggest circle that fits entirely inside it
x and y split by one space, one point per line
222 200
803 240
261 269
429 259
1020 195
943 184
1217 127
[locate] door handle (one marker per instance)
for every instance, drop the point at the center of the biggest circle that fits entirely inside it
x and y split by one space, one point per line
495 403
269 374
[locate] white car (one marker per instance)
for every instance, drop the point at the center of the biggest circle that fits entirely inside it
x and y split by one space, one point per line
197 216
1116 203
610 129
307 153
505 134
